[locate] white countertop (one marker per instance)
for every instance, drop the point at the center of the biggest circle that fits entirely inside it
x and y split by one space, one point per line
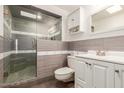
112 59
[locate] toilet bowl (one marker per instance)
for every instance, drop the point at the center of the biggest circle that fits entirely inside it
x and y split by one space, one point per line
65 74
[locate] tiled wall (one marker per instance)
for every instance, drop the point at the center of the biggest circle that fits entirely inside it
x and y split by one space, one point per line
1 44
5 44
111 44
48 45
1 61
1 70
46 65
4 61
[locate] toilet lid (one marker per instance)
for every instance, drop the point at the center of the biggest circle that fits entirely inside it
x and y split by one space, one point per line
64 70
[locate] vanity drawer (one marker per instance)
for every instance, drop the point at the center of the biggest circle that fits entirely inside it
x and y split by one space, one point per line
84 59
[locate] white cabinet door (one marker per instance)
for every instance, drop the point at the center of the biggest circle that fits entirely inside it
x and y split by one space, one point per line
70 21
119 76
84 20
74 19
82 74
103 74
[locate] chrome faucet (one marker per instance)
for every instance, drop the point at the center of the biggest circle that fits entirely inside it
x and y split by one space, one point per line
100 53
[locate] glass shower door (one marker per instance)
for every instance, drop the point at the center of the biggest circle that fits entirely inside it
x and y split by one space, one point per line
21 62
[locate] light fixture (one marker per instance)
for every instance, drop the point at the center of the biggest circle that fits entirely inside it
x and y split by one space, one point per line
30 15
114 9
39 16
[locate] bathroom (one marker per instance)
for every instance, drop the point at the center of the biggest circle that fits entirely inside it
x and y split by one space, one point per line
61 46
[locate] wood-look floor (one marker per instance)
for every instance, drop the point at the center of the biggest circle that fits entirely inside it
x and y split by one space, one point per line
54 84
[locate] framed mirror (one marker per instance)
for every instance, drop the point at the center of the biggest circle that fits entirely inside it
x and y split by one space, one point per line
109 19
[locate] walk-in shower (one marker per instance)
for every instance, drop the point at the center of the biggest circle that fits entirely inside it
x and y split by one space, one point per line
23 25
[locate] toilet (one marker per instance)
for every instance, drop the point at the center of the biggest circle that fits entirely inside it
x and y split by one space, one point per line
65 74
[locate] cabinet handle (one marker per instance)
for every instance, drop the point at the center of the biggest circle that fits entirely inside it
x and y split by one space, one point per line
86 63
117 71
89 64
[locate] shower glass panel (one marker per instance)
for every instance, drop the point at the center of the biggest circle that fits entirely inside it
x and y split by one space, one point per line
20 41
23 25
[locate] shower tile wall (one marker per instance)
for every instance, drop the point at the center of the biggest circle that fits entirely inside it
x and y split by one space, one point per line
18 24
111 44
4 62
46 65
1 61
1 70
1 44
5 46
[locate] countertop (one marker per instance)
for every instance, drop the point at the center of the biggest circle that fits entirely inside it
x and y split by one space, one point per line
112 59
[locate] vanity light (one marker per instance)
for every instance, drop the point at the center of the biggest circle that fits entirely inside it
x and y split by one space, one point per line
26 14
114 9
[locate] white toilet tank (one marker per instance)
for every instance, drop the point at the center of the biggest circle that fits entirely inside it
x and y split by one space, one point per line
71 62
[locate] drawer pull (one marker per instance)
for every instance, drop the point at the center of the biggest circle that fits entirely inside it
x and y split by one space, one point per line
117 71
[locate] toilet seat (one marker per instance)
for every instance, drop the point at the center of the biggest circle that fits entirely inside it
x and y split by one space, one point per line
64 70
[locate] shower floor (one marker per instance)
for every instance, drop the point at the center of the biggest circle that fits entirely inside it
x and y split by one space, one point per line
27 73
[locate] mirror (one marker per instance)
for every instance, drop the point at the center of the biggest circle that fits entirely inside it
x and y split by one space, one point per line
109 19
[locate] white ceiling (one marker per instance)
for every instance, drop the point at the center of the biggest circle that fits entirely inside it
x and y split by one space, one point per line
68 8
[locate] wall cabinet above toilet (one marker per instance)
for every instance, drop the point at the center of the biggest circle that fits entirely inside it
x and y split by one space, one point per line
77 21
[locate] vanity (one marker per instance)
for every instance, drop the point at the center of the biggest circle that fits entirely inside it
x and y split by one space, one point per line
92 71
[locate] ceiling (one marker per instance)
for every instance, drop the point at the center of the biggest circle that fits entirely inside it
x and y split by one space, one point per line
68 8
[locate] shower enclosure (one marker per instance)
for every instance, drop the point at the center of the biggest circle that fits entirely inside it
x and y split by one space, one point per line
21 62
23 25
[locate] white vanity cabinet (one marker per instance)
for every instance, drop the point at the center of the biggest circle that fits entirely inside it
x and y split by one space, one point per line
82 74
102 74
77 21
119 76
93 74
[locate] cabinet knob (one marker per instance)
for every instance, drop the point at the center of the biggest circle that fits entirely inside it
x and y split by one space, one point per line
117 71
89 64
72 19
86 63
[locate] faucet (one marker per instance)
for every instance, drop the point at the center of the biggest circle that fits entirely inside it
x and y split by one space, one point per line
100 53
